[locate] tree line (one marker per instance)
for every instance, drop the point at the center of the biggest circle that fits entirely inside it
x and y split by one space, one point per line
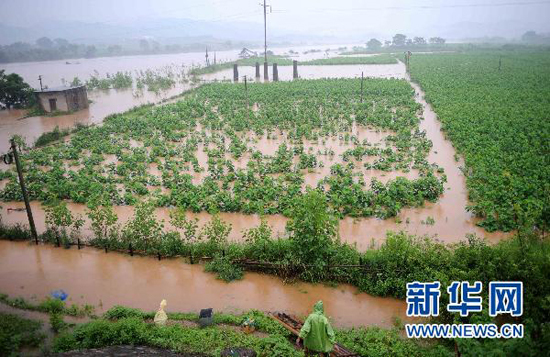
46 49
400 40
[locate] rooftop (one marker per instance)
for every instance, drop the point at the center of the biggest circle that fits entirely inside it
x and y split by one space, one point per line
57 89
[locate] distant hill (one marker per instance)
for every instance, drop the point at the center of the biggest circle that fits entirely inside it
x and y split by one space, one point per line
158 29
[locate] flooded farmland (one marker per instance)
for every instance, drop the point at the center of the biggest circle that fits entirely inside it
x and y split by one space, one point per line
141 281
277 178
446 220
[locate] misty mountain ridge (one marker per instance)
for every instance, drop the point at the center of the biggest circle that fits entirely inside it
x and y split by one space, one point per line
157 29
185 30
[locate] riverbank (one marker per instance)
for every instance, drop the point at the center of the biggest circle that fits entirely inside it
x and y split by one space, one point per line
120 327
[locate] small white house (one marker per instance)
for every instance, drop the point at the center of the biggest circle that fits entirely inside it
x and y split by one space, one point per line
62 99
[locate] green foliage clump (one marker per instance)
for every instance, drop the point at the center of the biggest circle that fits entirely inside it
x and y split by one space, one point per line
312 231
378 59
377 342
118 312
17 332
175 337
14 92
50 136
119 80
225 269
57 323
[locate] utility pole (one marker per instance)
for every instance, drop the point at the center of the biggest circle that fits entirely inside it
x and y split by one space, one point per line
40 79
206 56
266 75
24 190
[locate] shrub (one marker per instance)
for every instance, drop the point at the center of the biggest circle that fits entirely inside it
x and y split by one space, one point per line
17 332
224 268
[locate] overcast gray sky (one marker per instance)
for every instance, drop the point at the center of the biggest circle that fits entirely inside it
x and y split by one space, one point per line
322 16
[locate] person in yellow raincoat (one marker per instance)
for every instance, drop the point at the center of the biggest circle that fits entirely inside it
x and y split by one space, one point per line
160 316
317 333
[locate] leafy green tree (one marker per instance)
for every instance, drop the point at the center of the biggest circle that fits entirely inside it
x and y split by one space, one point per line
437 41
144 45
14 92
90 52
419 41
44 42
143 229
374 44
61 42
103 219
399 40
313 230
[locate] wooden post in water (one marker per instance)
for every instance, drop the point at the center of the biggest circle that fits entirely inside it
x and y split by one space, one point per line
257 69
131 250
295 69
78 243
24 190
362 87
275 73
235 73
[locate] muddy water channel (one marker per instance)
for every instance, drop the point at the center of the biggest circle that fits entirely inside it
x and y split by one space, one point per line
94 277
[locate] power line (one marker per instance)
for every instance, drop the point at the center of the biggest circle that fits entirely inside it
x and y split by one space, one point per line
265 37
429 7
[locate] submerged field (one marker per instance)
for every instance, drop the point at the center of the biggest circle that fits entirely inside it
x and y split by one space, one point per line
208 152
498 117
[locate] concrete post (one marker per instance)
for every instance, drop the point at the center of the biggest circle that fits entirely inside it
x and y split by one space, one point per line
275 73
266 75
257 69
295 69
235 73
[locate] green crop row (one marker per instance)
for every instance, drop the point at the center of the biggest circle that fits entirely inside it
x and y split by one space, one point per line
495 108
284 61
376 59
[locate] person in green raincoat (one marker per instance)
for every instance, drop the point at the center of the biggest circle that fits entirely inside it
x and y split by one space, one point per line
317 333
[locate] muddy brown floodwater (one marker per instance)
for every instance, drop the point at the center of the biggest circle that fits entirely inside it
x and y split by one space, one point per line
107 279
316 72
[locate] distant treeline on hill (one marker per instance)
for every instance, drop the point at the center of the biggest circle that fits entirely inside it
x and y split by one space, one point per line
45 49
403 43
